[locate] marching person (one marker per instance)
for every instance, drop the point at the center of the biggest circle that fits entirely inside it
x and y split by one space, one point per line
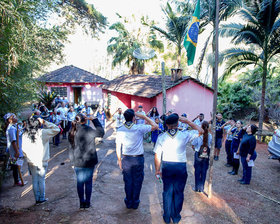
83 154
130 153
170 151
201 161
70 117
199 119
247 153
87 111
35 145
63 110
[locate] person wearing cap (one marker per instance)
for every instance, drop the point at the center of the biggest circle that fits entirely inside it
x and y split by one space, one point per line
130 153
170 153
183 126
199 119
14 148
140 111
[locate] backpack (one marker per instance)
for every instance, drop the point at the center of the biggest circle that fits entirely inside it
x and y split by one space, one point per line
204 152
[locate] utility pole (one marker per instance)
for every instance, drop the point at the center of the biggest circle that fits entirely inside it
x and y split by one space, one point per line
163 87
215 87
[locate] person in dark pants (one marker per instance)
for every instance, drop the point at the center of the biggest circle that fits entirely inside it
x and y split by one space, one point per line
201 164
170 151
83 154
247 153
130 153
228 143
237 133
220 123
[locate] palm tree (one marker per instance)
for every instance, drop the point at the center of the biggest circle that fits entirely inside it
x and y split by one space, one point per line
125 42
176 28
262 33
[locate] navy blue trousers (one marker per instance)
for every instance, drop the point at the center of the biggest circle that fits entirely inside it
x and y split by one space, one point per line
133 176
200 171
228 152
174 177
247 170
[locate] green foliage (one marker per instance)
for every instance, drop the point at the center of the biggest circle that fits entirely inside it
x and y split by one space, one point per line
233 98
30 41
176 28
47 98
127 40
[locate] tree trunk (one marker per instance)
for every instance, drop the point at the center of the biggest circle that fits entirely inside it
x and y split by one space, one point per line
215 85
262 110
179 57
163 87
213 50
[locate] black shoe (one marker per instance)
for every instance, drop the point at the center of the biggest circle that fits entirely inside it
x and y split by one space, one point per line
230 172
216 158
42 202
197 191
87 204
243 182
233 173
82 205
227 165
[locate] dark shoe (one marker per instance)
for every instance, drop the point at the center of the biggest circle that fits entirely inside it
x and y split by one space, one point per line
240 180
42 202
87 204
197 191
243 182
233 173
230 172
82 205
227 165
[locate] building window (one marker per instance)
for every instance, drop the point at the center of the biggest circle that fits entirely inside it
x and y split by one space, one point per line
62 91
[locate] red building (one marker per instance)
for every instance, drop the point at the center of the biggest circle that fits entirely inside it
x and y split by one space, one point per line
186 95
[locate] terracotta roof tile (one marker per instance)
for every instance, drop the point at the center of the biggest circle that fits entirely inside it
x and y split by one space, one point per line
143 85
71 74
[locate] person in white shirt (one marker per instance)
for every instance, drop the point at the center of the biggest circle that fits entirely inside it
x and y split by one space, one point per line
87 111
118 118
70 117
183 126
140 111
199 119
63 110
35 145
201 145
130 153
170 152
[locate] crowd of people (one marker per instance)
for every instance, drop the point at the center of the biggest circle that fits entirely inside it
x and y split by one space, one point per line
170 134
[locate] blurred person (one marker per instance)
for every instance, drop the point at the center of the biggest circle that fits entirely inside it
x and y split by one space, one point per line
87 110
157 132
199 119
118 117
101 117
140 111
183 126
63 110
153 114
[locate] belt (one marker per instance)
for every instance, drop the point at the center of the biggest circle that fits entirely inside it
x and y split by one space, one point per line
134 155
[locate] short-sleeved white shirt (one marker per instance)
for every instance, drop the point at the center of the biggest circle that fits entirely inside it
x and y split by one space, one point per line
140 120
173 148
119 118
197 142
131 138
63 112
198 122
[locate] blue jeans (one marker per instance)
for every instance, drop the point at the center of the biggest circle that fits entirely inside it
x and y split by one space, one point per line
247 170
84 183
38 181
200 171
174 177
133 176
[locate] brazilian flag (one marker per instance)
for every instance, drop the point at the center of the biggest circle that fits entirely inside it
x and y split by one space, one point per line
190 40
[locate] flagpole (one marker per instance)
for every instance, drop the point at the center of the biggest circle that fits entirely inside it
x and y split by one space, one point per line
215 87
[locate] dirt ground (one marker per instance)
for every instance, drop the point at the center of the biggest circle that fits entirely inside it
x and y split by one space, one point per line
231 202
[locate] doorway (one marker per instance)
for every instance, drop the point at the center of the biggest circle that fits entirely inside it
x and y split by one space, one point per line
77 95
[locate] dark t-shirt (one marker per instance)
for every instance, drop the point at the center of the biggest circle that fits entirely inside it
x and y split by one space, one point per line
219 130
237 136
247 145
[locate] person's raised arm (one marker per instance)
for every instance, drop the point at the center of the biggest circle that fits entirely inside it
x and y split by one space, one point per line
193 125
148 120
195 118
99 129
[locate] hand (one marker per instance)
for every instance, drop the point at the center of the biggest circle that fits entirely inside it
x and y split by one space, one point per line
120 163
247 159
237 153
158 173
42 121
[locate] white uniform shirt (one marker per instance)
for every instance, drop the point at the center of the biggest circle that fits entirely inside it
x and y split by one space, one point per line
63 113
140 120
197 142
119 118
198 122
173 148
131 138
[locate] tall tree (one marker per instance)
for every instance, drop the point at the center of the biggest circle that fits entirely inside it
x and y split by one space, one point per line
31 38
176 28
127 40
261 35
